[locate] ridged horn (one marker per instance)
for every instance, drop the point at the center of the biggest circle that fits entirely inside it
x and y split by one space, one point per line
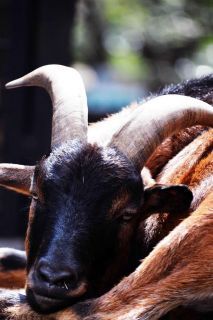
157 119
16 177
66 89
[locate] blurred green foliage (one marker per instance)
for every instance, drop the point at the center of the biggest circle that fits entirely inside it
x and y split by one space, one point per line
151 41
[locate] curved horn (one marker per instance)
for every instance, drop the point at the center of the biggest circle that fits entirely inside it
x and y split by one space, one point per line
66 89
157 119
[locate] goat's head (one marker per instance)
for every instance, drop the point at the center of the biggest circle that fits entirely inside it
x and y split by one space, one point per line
87 199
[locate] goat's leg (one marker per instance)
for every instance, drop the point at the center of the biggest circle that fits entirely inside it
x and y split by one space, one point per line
12 268
155 300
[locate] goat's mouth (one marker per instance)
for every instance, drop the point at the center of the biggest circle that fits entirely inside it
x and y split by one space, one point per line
43 302
45 305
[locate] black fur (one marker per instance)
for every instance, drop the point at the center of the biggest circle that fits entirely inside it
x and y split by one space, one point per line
201 88
71 225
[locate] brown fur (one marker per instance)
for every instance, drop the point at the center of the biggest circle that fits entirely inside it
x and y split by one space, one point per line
170 276
13 279
186 161
162 281
192 166
119 203
178 272
171 147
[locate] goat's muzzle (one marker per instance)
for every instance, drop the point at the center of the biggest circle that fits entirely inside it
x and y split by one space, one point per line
50 289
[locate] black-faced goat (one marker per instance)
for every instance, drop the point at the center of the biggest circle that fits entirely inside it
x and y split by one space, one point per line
92 218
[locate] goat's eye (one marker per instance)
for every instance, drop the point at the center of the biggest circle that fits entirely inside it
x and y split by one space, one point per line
34 196
128 215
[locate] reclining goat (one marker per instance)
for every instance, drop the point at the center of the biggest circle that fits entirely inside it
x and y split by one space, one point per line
92 218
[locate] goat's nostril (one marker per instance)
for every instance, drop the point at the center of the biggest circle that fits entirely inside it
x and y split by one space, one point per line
66 278
44 272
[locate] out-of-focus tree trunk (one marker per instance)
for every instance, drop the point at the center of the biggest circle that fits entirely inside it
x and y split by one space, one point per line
95 21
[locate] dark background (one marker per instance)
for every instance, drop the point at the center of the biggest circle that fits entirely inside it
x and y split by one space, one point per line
124 49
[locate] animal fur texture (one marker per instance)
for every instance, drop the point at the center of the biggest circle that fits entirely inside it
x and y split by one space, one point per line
175 276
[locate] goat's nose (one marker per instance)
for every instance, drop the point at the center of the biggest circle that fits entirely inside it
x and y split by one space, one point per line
60 276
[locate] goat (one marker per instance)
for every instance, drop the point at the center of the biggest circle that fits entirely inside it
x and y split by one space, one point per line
88 196
165 279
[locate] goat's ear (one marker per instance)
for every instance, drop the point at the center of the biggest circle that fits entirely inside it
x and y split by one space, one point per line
162 198
16 177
